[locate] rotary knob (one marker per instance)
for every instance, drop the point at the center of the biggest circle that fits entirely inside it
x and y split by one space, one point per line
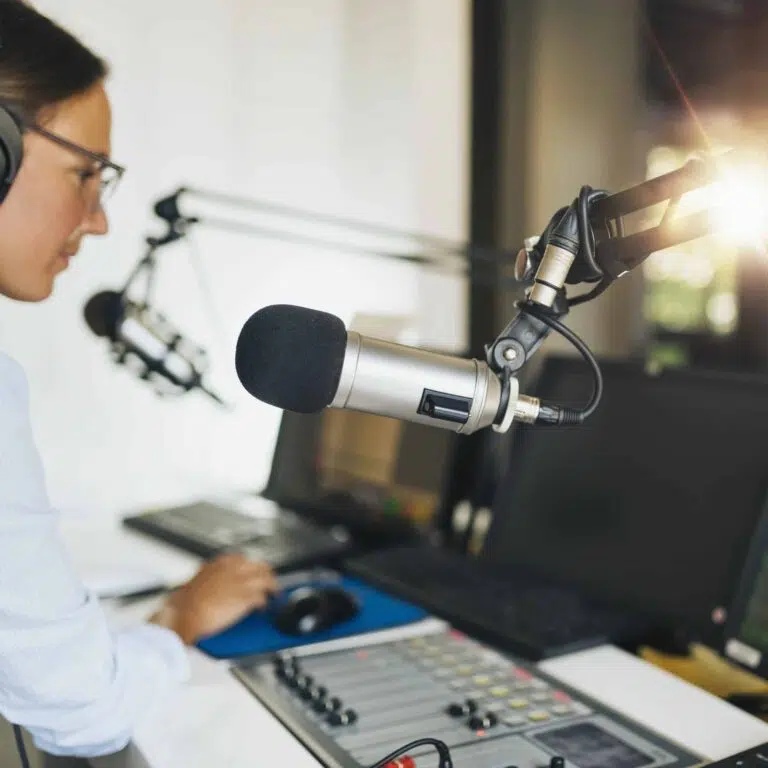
348 717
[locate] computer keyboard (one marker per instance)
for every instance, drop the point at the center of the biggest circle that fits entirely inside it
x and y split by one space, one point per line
513 610
207 529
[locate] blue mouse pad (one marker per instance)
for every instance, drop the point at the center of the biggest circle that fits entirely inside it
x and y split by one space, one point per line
255 633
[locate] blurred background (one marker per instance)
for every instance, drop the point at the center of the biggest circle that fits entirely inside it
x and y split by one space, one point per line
464 120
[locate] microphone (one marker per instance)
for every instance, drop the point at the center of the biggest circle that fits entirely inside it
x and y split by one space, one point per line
145 342
304 360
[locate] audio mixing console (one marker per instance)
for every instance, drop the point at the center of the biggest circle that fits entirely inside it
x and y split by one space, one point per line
352 707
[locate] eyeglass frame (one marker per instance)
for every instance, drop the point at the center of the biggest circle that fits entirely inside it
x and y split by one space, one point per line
102 160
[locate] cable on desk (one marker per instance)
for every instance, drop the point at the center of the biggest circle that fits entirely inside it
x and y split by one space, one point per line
440 746
20 747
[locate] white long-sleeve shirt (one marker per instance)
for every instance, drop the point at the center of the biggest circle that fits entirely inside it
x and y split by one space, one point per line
78 687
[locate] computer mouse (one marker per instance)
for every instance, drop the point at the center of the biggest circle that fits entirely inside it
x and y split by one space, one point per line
312 608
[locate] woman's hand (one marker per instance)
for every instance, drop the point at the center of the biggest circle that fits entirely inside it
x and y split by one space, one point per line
222 592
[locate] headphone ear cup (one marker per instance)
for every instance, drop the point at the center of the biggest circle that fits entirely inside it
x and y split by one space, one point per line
11 150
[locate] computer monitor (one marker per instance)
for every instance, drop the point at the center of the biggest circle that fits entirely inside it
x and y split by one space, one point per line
346 466
652 502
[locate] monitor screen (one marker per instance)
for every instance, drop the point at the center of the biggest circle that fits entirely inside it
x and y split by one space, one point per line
651 503
745 640
346 460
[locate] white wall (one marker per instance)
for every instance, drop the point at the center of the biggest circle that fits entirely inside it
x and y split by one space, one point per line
573 76
352 107
586 104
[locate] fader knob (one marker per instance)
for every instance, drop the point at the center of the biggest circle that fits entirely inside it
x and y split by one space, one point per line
319 692
483 722
286 662
327 705
347 717
467 707
313 692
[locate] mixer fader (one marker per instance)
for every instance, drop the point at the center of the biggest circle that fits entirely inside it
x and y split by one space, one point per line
351 707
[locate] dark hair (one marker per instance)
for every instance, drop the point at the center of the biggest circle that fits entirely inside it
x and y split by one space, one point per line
41 64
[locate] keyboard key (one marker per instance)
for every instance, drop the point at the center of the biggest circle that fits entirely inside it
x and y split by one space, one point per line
539 716
561 709
481 680
514 721
517 703
499 691
476 694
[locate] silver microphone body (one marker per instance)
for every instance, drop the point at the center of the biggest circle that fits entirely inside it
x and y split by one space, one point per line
146 333
147 344
402 382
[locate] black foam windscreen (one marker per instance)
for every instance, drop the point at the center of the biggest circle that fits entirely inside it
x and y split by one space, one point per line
291 357
102 313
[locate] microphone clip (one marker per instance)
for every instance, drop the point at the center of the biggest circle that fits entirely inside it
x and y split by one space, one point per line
517 343
167 208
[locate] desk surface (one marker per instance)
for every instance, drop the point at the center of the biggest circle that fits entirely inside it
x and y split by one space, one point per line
213 720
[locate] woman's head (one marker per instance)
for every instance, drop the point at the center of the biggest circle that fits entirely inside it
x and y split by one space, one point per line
54 85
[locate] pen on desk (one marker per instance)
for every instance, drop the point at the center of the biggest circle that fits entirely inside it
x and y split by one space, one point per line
143 594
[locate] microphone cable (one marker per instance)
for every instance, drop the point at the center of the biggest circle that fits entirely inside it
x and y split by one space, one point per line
556 415
405 762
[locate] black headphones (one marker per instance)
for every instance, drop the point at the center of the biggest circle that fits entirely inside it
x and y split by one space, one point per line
11 146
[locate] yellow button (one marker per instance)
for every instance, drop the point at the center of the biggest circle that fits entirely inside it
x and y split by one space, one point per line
517 703
538 716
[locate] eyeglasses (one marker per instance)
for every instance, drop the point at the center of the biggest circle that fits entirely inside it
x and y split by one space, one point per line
110 173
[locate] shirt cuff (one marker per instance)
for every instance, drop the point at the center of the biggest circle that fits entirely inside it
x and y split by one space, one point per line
168 644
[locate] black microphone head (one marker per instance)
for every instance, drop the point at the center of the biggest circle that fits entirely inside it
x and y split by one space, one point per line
103 312
291 357
168 207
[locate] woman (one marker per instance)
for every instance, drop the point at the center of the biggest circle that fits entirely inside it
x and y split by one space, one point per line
77 687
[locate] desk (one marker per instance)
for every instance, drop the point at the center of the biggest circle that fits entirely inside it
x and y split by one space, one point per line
213 720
